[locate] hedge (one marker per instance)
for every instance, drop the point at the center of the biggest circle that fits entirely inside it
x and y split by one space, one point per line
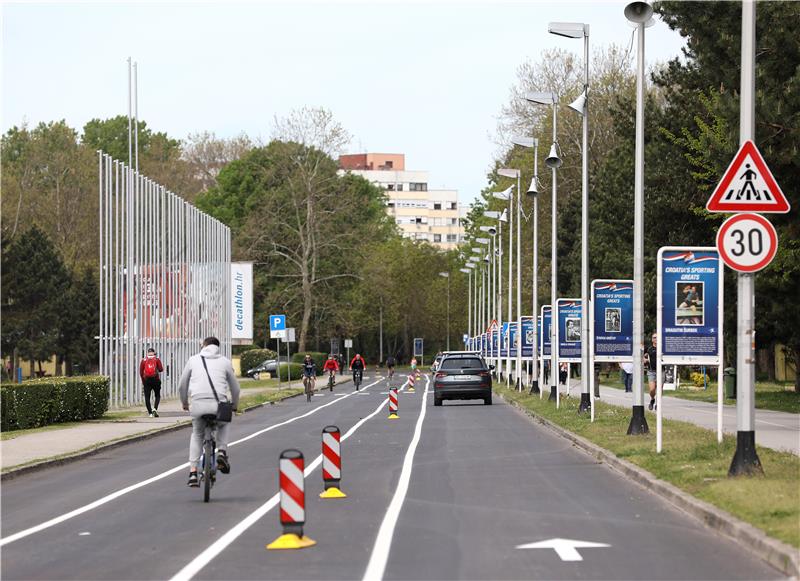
51 400
318 357
253 357
295 368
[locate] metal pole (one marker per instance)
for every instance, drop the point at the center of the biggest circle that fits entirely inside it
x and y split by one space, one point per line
638 423
469 301
448 312
499 298
535 287
554 396
586 371
510 270
136 114
745 460
518 364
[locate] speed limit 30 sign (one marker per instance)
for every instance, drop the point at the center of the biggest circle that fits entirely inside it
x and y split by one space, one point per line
747 242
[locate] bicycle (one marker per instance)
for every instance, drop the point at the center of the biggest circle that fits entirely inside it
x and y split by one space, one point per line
357 376
331 379
308 384
208 474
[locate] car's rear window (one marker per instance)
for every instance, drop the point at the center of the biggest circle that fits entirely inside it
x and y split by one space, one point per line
462 363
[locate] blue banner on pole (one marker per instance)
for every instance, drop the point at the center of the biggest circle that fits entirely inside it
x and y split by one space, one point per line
527 337
569 330
612 324
512 339
689 305
504 340
544 335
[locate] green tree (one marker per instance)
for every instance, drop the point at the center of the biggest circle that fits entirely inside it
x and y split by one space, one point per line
34 282
80 323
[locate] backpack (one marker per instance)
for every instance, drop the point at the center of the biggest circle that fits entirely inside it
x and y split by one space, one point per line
150 367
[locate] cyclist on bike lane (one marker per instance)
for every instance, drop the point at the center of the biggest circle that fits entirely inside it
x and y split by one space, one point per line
390 364
198 399
330 365
357 365
309 369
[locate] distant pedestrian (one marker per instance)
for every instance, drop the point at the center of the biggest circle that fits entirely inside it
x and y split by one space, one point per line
546 371
149 370
562 374
650 363
626 370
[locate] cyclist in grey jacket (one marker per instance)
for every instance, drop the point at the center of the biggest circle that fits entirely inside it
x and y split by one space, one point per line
198 399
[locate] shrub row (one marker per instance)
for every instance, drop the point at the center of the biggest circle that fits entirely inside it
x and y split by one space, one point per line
253 357
285 368
51 400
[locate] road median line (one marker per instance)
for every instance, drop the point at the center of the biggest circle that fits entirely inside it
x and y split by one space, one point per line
780 555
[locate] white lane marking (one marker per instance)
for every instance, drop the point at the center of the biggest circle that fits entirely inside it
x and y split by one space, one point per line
84 534
383 543
198 563
114 495
566 549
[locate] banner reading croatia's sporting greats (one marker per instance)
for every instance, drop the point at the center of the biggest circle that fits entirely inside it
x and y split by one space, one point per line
568 332
544 335
612 320
512 339
504 340
527 337
689 305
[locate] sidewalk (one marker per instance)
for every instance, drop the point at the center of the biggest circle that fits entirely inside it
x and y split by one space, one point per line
776 430
59 442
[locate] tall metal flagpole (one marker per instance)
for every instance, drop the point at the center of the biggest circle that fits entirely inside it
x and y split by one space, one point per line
136 115
498 313
510 271
745 460
586 401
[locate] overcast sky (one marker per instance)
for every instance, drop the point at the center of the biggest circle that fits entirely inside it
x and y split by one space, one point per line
420 78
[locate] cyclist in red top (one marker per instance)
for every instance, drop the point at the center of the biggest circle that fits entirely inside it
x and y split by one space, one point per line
330 365
149 369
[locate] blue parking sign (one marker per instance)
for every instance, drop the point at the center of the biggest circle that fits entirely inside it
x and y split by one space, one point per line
277 322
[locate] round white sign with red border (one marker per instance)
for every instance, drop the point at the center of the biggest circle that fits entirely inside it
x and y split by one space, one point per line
747 242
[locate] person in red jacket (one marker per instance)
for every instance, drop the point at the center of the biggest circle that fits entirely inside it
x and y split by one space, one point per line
330 365
150 369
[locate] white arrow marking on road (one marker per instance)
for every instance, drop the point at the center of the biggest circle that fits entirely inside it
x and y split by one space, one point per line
564 548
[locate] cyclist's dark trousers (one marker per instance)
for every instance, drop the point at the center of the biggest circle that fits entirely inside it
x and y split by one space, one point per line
152 384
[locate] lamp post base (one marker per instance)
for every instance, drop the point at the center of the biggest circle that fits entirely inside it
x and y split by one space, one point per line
586 403
553 395
535 386
638 425
745 460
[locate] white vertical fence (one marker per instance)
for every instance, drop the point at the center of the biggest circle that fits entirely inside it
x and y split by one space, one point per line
178 293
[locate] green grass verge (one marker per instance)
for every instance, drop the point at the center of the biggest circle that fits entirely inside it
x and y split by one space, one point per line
779 397
691 460
246 401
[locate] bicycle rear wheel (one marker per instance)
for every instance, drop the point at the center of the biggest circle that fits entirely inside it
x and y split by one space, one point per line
208 458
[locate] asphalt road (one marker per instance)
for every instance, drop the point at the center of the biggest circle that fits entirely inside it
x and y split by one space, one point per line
447 495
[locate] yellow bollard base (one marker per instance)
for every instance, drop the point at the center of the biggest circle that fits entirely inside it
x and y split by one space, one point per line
333 492
394 417
291 541
411 390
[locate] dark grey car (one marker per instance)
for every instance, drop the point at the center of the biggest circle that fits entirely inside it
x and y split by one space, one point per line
462 376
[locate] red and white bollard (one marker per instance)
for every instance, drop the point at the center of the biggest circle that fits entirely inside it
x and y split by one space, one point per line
393 404
331 462
292 503
411 384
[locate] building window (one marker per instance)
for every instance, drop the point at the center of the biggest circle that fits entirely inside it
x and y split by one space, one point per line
418 187
388 164
452 237
437 205
399 187
390 187
453 206
453 221
390 204
437 237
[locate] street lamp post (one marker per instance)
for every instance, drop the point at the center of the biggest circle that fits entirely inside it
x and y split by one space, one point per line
533 191
553 162
581 30
447 276
504 195
468 272
638 13
514 173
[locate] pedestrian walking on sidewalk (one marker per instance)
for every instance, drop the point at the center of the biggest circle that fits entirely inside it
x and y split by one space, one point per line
150 369
627 376
650 363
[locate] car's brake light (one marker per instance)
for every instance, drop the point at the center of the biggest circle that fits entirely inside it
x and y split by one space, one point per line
484 374
440 375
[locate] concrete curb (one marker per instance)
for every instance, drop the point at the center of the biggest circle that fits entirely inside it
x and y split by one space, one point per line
780 555
27 469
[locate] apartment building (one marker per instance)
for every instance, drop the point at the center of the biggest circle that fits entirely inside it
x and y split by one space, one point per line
421 213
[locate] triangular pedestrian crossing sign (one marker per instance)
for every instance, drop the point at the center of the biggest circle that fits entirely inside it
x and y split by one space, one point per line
748 186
